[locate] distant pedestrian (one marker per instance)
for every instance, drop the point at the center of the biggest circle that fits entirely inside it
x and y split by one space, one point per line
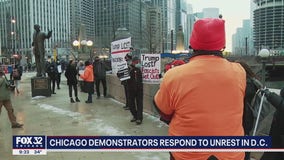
88 78
71 75
59 69
5 100
16 76
52 72
135 90
100 74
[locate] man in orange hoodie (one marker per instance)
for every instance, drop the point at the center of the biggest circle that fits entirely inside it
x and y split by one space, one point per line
205 96
88 78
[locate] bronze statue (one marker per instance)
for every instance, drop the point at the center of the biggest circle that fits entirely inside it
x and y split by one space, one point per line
39 52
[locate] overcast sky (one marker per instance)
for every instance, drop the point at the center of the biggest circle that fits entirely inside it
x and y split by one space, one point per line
233 11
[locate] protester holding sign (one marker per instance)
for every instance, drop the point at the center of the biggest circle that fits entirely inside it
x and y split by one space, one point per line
135 90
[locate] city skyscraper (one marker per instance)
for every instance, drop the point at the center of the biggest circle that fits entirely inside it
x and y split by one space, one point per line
19 16
154 27
242 40
168 9
210 12
5 27
269 25
183 11
113 14
82 13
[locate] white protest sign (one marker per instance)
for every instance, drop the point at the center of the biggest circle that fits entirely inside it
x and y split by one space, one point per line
151 68
119 49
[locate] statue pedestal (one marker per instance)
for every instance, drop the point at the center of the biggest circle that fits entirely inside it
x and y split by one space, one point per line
41 86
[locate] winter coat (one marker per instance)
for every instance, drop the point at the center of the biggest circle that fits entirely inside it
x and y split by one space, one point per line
99 70
51 69
71 73
135 83
203 97
277 127
88 75
248 117
4 91
278 118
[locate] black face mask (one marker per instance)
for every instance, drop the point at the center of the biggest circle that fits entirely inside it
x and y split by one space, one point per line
96 60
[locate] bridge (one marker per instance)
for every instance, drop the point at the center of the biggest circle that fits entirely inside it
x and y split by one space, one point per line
274 66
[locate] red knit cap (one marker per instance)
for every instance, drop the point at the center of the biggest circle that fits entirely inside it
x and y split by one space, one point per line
208 34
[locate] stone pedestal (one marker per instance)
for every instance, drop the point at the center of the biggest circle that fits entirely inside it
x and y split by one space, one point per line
41 86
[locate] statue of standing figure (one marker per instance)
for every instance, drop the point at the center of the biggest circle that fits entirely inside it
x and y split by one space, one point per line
39 52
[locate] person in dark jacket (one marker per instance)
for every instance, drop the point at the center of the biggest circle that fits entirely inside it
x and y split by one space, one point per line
135 90
100 74
71 75
251 88
59 69
277 126
51 69
16 76
128 59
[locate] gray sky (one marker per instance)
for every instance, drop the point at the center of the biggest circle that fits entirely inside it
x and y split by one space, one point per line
233 11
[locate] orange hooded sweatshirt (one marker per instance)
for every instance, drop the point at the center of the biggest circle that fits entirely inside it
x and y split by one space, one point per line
204 98
88 75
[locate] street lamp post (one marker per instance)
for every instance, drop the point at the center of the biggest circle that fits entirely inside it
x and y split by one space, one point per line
263 53
80 46
76 44
90 44
13 35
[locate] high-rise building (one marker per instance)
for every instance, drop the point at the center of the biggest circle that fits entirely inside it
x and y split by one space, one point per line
210 12
82 13
242 42
168 9
269 25
19 16
5 28
154 28
183 11
113 14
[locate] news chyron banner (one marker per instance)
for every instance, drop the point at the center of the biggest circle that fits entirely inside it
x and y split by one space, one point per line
151 68
41 145
119 49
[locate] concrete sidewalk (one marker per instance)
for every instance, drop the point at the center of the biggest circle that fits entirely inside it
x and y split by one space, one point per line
55 115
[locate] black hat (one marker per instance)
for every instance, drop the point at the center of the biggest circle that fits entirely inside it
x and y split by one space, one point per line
128 56
87 63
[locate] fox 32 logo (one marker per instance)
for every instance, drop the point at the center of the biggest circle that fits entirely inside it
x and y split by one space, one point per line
29 142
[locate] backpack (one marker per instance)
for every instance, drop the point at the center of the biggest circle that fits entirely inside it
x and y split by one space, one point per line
15 73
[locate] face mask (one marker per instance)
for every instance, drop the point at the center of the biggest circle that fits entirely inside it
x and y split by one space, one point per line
129 62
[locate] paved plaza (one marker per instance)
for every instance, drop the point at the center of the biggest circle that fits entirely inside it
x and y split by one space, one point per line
56 116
